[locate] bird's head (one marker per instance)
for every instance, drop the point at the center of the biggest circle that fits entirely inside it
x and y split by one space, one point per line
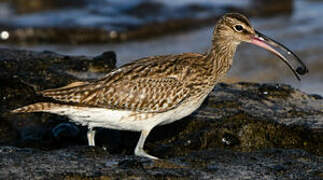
236 28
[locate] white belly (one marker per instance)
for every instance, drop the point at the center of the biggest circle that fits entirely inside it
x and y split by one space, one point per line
125 120
100 117
182 111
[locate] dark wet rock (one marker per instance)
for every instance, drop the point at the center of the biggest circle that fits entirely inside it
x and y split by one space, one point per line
271 7
274 131
230 140
253 116
146 8
22 73
113 21
78 162
65 130
25 6
130 164
248 130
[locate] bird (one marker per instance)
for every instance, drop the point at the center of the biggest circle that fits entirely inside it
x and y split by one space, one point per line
157 90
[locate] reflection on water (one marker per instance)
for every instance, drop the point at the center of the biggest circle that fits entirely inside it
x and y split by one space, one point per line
302 32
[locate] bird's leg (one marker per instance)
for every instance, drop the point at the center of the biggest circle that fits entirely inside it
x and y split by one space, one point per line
90 137
139 150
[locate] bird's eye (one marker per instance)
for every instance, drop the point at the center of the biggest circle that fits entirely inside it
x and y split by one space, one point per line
238 28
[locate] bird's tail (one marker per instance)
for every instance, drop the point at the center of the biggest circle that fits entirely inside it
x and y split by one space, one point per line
37 107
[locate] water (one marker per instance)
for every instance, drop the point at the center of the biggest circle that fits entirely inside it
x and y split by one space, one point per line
301 32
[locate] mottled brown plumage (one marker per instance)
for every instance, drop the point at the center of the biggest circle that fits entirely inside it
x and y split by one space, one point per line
154 90
153 84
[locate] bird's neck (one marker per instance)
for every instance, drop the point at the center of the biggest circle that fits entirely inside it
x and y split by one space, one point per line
220 57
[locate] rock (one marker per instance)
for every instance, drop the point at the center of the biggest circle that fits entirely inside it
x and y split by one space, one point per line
114 21
80 162
270 7
249 130
22 73
249 117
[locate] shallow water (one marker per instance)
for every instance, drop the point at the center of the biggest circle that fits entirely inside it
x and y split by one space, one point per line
302 32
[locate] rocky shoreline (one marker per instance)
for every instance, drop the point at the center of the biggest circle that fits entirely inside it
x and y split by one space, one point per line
106 22
242 131
85 163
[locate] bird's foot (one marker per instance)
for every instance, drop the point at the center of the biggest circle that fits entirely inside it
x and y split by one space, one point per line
142 153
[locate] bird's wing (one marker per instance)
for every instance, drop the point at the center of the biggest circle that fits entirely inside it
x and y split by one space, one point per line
148 85
143 95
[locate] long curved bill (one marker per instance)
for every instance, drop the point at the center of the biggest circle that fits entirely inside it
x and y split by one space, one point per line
266 43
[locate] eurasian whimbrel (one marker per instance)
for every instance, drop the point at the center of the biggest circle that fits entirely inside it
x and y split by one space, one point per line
156 90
